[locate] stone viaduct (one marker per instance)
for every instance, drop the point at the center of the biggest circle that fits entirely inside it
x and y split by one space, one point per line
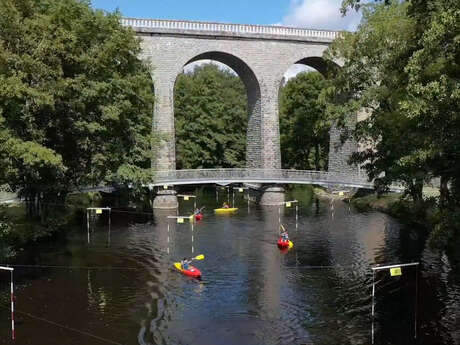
260 55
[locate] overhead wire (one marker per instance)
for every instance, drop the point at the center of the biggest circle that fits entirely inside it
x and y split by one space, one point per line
66 327
77 267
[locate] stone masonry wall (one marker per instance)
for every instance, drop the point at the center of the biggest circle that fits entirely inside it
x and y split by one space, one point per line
261 64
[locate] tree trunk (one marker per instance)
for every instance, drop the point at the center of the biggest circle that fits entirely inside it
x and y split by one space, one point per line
306 164
317 157
444 192
417 190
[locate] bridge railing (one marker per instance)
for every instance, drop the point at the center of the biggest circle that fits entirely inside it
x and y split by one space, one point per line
192 176
229 28
258 174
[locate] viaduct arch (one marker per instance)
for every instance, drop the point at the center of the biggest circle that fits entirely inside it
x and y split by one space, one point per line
251 83
260 55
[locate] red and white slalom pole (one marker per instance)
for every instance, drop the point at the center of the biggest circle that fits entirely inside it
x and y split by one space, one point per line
12 300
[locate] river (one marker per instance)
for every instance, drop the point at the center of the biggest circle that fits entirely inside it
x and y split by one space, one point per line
121 288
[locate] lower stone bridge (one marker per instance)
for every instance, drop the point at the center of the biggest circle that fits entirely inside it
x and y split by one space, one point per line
269 178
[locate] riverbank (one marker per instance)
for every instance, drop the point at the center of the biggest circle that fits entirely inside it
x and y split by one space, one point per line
324 194
18 231
385 203
440 226
392 204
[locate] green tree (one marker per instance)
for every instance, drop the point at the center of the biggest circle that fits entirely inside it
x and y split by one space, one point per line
211 114
75 100
434 93
402 66
412 92
373 78
304 125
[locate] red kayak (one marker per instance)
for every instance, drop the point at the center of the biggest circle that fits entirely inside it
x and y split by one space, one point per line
199 216
191 271
284 244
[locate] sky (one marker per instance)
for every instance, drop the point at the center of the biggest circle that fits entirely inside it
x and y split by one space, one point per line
312 14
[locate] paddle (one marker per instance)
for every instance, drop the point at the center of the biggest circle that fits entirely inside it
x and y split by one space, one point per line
282 227
198 257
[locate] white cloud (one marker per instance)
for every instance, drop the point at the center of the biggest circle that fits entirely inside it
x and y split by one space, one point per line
296 69
320 14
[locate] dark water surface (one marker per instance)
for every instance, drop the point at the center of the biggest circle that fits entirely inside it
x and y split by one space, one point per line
317 293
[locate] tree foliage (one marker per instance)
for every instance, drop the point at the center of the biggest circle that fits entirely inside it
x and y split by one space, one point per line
433 91
210 118
373 78
401 66
304 125
75 100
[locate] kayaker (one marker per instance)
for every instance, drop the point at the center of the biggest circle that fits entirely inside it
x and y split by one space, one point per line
285 236
185 263
225 205
197 211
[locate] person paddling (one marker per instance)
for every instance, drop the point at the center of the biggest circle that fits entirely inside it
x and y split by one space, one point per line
284 234
199 210
185 263
225 205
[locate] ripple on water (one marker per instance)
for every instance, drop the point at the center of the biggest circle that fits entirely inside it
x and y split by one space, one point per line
250 293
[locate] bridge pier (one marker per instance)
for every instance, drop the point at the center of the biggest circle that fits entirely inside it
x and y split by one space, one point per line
166 199
272 195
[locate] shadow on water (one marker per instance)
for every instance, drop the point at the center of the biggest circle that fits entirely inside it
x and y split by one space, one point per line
121 288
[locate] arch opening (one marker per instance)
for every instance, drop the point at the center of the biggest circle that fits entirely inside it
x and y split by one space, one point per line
217 113
304 125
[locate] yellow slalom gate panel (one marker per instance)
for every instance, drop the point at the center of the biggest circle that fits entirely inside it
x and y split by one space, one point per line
165 186
395 271
98 211
180 220
240 190
288 204
185 197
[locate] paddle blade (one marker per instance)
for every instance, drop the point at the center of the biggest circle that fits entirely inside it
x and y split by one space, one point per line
282 227
178 266
199 257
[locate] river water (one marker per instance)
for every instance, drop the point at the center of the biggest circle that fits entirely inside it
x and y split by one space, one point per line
121 288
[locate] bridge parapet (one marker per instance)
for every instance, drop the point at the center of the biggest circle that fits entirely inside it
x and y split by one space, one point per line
209 28
277 176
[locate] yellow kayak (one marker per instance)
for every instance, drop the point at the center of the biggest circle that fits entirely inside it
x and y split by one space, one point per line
225 210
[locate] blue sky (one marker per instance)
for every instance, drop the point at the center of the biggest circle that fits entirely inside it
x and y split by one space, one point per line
239 11
316 14
313 14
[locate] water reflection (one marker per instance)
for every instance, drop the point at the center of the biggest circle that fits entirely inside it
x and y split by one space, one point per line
317 293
